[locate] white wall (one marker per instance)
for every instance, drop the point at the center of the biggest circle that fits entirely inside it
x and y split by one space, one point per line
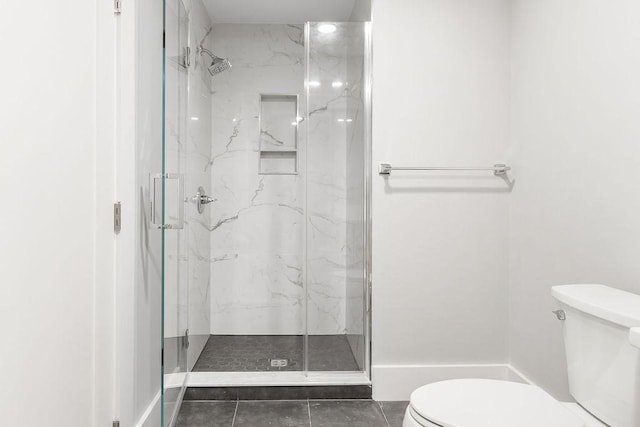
440 97
576 135
47 184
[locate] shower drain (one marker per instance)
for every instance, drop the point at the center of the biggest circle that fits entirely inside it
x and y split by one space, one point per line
279 363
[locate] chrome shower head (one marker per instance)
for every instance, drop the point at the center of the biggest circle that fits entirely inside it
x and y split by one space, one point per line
218 65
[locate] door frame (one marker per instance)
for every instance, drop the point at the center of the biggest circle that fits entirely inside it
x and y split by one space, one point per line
114 297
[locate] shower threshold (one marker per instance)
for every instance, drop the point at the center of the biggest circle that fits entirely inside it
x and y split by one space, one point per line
282 378
276 361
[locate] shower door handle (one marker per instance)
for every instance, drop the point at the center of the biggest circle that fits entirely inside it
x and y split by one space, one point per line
169 214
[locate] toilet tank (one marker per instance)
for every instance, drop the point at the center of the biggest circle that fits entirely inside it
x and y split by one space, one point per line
603 366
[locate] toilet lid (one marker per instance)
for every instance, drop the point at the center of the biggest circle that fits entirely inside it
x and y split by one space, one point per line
490 403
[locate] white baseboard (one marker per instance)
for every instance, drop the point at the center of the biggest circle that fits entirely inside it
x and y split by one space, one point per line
397 382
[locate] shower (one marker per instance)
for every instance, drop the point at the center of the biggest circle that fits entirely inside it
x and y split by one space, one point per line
269 284
218 65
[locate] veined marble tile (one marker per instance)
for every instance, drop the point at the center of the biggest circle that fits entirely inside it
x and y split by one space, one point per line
188 129
327 184
355 159
259 223
257 293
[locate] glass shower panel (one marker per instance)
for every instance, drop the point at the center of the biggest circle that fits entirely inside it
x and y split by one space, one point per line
257 222
336 195
148 337
171 182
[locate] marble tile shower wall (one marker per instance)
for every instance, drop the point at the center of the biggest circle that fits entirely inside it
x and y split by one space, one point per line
258 223
188 150
198 153
327 177
356 225
176 241
336 181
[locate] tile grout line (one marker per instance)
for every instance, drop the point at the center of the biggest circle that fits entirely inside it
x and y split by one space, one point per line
383 413
233 422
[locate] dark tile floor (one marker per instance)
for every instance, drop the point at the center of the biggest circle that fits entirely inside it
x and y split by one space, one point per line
291 413
233 353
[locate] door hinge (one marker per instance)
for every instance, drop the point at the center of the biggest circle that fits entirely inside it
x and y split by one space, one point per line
187 57
185 339
116 423
117 7
117 217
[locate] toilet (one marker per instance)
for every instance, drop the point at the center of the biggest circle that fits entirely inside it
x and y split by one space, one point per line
602 342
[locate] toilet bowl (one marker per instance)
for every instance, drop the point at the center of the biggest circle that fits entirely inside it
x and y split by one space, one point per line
486 403
602 342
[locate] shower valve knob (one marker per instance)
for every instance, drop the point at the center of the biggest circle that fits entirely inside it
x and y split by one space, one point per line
201 199
204 200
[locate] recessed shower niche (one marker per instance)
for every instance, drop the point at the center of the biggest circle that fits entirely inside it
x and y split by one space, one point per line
269 283
278 125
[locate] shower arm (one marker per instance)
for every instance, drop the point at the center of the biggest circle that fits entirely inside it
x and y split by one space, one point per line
202 50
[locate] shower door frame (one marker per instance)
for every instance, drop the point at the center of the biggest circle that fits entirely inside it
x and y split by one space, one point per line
118 34
368 180
119 59
306 377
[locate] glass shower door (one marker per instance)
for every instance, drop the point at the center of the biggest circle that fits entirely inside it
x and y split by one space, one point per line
337 170
171 183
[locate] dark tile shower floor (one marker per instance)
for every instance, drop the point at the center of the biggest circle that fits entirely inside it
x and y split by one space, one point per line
240 353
